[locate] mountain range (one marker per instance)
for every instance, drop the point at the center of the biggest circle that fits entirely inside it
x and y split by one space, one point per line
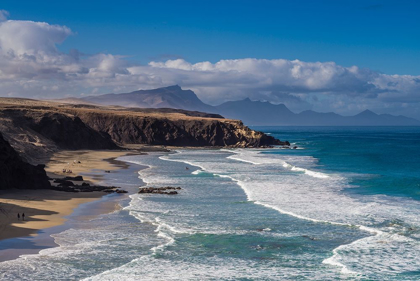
250 112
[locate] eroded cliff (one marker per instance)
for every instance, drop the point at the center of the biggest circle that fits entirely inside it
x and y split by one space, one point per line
15 173
38 128
185 131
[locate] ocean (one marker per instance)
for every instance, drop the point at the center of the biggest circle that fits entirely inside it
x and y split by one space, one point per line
344 205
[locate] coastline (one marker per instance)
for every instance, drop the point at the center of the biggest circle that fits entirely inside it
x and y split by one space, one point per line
48 209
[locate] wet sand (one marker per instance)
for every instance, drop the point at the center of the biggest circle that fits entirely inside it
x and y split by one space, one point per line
48 208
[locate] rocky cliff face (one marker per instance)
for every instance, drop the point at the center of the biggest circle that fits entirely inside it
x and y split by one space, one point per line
37 128
181 132
35 134
15 173
69 132
34 129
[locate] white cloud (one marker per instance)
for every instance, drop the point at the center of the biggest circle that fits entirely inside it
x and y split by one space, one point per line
32 66
28 38
327 86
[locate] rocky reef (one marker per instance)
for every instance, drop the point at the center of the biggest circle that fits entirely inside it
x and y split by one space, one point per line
67 184
168 190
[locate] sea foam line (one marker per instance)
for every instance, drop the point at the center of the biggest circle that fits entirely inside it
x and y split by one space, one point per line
183 161
306 171
331 260
285 165
241 184
233 157
157 222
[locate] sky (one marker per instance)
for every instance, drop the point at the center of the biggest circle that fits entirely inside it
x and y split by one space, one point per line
341 56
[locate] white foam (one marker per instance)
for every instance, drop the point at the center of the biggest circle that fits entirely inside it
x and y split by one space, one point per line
208 268
256 158
243 160
306 171
292 192
197 172
318 198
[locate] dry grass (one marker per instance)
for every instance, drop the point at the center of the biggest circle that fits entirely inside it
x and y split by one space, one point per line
75 109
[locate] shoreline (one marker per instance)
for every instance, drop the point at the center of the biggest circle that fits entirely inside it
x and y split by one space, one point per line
49 209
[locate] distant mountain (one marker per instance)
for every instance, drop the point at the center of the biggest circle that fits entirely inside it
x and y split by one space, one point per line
267 114
250 112
255 112
168 97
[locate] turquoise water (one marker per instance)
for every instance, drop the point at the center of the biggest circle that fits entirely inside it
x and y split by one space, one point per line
344 205
385 159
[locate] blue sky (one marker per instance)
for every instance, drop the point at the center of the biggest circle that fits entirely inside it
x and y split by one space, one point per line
381 35
340 56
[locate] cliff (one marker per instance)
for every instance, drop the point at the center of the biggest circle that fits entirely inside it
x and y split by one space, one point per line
38 128
176 132
15 173
69 132
36 132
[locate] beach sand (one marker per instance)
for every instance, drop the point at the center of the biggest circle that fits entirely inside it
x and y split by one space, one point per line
91 163
42 209
47 208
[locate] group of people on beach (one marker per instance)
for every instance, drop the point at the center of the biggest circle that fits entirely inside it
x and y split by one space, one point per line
68 171
23 216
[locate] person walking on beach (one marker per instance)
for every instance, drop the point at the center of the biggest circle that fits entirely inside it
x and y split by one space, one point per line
23 216
18 216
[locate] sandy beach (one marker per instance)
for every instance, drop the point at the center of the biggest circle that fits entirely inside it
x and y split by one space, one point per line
91 163
48 208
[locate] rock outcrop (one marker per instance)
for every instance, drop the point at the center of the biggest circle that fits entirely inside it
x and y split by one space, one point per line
38 128
37 132
69 132
181 132
168 190
15 173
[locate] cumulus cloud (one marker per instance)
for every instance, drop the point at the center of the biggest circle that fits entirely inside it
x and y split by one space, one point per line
325 86
31 65
281 75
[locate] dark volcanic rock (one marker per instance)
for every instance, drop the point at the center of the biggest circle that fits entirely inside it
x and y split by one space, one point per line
182 132
38 130
160 190
64 182
15 173
70 132
85 187
76 178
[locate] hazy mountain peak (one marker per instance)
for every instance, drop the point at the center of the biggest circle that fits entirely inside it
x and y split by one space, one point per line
250 112
367 113
173 88
166 97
